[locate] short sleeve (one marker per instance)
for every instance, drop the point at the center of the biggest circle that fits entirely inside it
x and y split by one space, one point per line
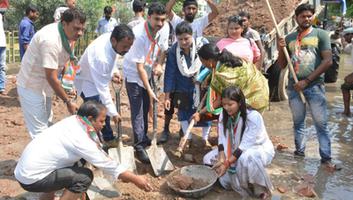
175 21
255 35
324 41
137 51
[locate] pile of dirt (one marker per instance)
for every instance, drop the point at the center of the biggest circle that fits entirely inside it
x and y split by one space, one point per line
259 15
183 182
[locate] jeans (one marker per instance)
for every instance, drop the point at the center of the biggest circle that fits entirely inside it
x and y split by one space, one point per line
139 107
107 131
316 100
2 68
36 110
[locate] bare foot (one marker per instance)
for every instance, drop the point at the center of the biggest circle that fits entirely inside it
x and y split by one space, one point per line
347 114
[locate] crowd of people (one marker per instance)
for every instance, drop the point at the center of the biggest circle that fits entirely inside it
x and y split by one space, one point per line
203 80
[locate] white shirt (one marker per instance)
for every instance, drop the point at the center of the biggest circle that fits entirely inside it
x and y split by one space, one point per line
59 146
139 50
105 26
198 25
135 21
255 134
58 12
2 33
252 34
44 51
97 68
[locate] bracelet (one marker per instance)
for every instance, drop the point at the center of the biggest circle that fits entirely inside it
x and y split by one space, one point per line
308 80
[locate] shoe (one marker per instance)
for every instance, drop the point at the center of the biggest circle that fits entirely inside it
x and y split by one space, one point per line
142 156
299 154
164 137
331 166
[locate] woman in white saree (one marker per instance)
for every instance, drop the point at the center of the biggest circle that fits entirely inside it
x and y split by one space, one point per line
244 149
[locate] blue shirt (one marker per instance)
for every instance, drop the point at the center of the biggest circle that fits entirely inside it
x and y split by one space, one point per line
174 81
106 26
25 35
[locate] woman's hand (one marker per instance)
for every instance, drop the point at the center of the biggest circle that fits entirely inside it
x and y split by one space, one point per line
142 183
196 116
219 166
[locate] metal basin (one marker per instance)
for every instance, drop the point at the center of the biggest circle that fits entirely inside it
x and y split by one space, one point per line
197 172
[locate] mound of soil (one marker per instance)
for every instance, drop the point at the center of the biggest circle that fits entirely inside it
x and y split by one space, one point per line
259 15
183 182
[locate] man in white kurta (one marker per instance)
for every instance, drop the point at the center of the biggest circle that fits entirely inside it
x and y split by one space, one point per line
98 69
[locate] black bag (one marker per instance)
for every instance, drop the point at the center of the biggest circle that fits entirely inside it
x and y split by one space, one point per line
181 100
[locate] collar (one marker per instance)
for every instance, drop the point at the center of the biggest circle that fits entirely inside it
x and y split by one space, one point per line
28 19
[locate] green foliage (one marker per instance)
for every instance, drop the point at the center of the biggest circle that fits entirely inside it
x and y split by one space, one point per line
349 8
124 12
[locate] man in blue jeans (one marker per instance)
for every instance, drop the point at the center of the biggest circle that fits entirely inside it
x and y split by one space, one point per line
145 57
310 52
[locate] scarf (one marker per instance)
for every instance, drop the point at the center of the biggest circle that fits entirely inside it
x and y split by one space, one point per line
232 126
71 68
90 130
153 51
195 61
297 48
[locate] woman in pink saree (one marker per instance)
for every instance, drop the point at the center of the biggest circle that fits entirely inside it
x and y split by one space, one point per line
238 45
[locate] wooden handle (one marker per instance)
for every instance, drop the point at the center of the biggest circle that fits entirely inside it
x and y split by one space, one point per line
291 69
186 135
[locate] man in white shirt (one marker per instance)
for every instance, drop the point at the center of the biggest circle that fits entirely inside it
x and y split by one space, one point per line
145 57
43 62
2 56
107 23
60 10
252 34
190 8
98 69
48 162
138 6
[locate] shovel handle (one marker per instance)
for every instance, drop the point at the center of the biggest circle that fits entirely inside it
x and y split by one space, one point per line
155 108
291 69
118 107
184 139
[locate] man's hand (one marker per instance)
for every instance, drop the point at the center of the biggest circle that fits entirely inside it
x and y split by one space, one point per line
152 95
167 104
157 69
116 119
300 85
281 42
142 183
71 107
117 78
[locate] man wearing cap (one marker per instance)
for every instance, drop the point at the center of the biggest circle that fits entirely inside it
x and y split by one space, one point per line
190 8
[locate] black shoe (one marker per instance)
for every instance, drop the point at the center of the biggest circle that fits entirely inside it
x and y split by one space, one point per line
142 156
164 137
181 133
299 154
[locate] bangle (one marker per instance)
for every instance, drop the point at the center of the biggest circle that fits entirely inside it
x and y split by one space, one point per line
308 80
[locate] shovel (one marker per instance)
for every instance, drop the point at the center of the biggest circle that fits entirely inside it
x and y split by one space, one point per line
183 140
158 157
122 154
